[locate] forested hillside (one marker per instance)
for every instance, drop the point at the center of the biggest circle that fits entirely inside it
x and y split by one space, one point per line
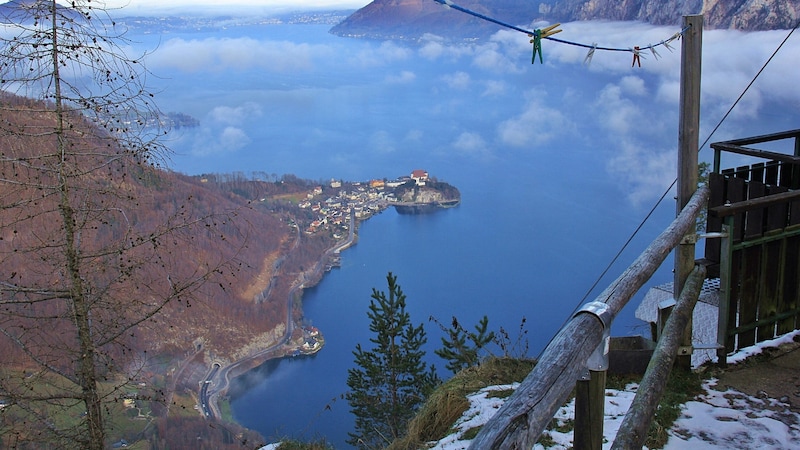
225 249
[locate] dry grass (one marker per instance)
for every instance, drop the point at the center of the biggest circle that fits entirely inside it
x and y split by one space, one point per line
446 405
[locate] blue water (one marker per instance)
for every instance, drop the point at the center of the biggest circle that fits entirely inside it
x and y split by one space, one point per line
553 182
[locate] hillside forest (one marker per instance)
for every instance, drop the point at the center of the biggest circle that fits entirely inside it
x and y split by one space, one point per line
229 242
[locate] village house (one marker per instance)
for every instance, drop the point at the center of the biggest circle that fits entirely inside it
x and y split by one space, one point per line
419 176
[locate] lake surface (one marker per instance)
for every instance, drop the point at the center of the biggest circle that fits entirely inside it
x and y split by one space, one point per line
557 165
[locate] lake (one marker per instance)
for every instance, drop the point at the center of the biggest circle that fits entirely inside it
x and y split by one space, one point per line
557 165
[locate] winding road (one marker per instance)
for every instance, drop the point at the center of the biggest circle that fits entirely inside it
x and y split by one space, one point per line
217 380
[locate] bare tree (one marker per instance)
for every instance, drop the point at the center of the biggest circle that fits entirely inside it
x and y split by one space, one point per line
81 265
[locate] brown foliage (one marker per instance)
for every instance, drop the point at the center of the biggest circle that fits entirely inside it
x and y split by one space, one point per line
198 433
217 231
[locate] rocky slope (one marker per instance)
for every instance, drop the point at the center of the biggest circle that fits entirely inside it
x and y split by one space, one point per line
746 15
426 198
412 19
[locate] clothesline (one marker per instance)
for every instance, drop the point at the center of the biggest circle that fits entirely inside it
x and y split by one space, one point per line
636 50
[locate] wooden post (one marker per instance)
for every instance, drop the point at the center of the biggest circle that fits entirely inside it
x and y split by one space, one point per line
633 429
590 398
725 260
688 138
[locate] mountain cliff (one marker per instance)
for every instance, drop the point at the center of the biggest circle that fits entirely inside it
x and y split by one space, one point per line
411 19
746 15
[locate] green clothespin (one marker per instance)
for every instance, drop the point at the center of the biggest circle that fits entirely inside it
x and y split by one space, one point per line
536 40
537 46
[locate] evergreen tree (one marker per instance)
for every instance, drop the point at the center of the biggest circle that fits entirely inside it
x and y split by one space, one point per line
391 380
457 351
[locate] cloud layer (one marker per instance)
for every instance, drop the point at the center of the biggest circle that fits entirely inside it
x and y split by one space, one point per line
384 102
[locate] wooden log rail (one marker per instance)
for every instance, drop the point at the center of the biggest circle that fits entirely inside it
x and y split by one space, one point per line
522 418
633 430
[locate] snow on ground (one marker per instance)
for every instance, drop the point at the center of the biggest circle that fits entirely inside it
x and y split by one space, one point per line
714 420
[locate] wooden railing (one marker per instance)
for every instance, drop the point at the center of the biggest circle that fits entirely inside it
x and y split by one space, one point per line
524 416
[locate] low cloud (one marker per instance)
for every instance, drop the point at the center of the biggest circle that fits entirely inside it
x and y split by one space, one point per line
536 125
458 80
404 77
382 142
237 54
223 129
385 53
228 140
436 48
618 114
472 144
494 89
642 171
235 115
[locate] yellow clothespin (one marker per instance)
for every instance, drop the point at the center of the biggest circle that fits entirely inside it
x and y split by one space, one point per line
549 31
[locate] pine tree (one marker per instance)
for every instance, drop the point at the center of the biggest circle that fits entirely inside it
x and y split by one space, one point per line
457 351
391 380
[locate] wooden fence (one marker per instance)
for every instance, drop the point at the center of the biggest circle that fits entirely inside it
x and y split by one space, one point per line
757 210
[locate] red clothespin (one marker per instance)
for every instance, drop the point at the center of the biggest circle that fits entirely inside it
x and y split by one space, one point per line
637 56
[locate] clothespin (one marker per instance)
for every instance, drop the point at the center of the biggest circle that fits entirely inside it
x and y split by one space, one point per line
654 52
536 40
551 30
674 37
637 56
588 59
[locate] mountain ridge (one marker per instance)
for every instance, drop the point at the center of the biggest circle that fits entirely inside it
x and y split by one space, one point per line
413 19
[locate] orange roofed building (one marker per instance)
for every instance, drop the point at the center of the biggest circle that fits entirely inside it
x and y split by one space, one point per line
420 176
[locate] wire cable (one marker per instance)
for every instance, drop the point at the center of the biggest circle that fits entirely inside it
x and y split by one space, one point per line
665 42
705 142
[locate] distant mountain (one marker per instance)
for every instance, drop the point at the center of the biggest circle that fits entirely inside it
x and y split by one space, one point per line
411 19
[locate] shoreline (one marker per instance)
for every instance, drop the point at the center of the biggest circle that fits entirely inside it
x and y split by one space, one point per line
221 375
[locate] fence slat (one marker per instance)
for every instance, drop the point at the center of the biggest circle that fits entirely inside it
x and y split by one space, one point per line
735 296
777 215
771 171
791 289
735 191
770 277
754 218
748 299
716 184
